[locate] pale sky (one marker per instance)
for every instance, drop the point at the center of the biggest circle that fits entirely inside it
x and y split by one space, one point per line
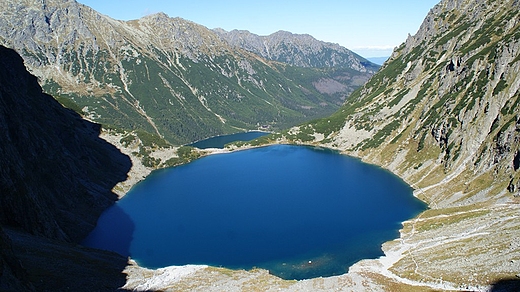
371 28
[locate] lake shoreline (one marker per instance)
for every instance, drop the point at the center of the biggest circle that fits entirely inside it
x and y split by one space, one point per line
315 180
223 135
139 171
355 275
376 269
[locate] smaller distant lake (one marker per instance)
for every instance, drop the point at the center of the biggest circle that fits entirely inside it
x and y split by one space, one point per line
299 212
221 141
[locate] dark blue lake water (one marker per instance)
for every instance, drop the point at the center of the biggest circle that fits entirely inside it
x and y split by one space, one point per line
276 207
221 141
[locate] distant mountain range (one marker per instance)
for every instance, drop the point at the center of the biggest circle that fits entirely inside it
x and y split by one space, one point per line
174 78
297 50
378 60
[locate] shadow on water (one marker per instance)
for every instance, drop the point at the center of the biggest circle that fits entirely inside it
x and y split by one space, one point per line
506 285
114 232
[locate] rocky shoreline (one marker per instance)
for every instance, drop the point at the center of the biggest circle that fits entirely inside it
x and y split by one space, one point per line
139 171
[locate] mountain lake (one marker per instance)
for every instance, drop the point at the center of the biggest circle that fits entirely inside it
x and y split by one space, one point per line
221 141
300 212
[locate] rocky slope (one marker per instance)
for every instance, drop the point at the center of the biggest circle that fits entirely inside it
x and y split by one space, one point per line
442 113
166 76
56 177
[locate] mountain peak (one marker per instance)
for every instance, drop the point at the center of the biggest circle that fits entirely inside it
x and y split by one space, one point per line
158 15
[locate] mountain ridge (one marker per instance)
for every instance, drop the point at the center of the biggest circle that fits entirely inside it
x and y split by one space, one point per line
167 76
301 50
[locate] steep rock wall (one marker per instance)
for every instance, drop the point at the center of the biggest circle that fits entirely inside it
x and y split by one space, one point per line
57 174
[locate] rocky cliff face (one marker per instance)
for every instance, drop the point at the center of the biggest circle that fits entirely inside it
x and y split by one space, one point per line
53 161
168 76
447 102
56 177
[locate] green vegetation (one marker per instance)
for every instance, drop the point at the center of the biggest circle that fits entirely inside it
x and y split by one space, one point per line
502 84
69 103
264 140
149 161
381 135
396 99
420 145
185 154
305 134
512 105
504 127
127 140
151 140
332 124
206 97
453 32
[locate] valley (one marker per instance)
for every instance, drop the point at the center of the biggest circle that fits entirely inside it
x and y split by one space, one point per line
442 113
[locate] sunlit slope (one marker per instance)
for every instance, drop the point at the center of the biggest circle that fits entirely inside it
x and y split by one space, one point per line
446 104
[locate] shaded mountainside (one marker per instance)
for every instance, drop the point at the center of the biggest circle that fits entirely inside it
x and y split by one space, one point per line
56 177
52 159
167 76
444 114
